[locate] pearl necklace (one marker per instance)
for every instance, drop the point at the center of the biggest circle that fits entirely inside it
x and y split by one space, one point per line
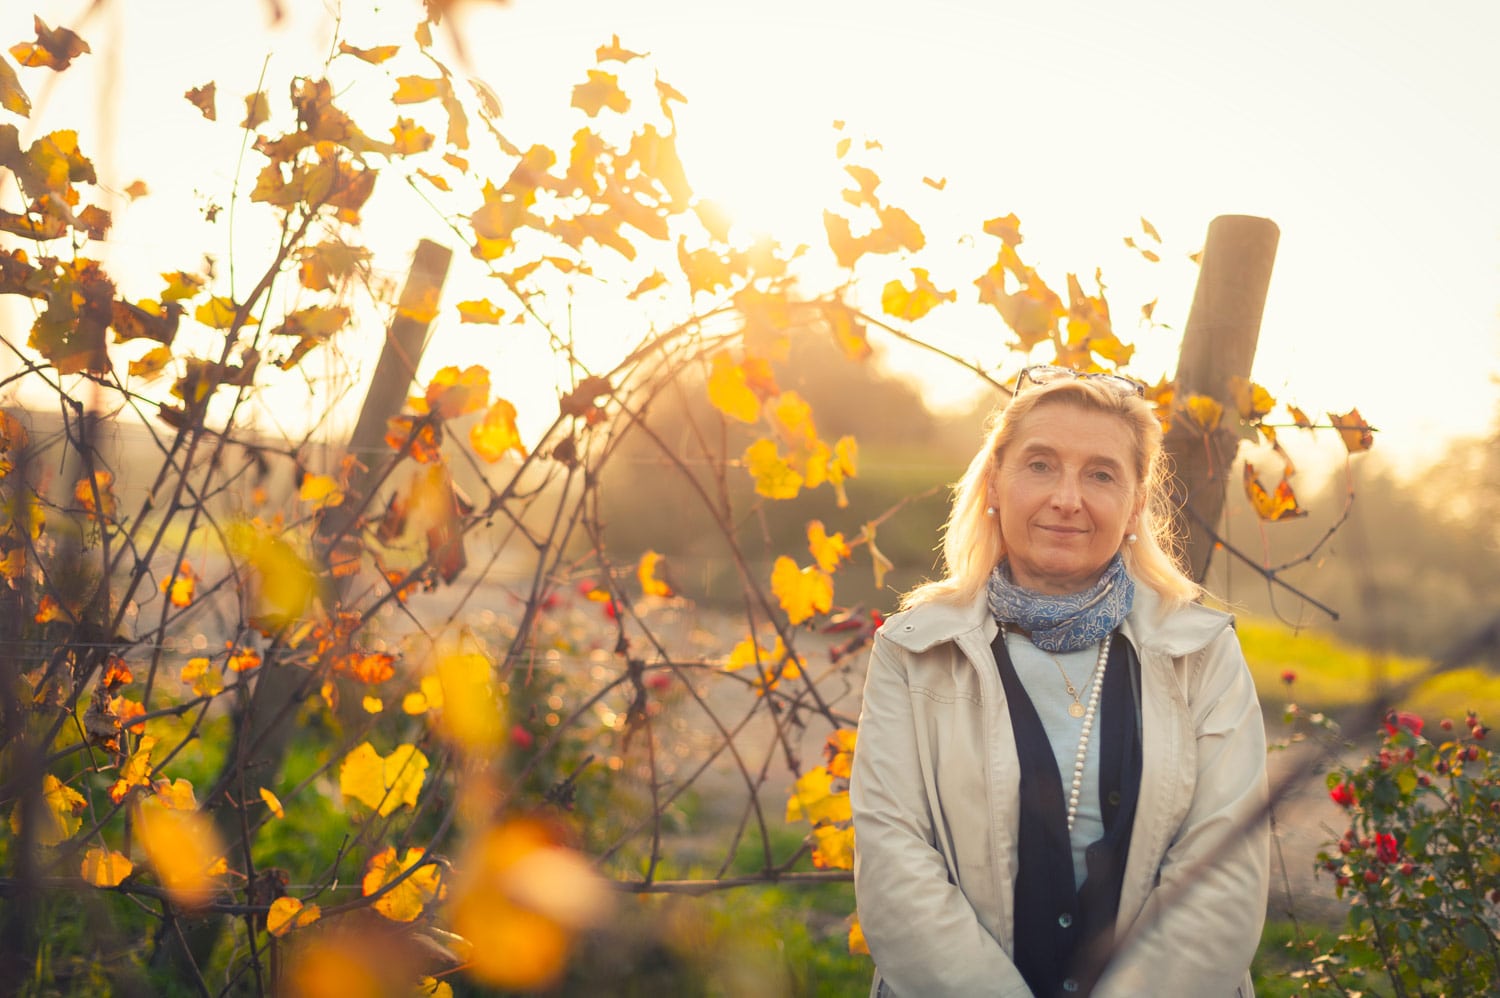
1088 713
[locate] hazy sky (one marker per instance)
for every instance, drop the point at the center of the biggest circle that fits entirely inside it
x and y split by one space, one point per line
1367 131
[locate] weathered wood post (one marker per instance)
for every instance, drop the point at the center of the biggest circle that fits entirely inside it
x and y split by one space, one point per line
1218 343
263 726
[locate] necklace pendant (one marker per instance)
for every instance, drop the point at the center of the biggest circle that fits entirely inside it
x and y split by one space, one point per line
1075 709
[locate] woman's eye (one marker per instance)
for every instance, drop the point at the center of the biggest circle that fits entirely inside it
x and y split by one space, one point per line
1038 466
1103 476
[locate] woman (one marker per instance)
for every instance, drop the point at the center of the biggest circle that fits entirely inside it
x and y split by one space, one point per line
1060 780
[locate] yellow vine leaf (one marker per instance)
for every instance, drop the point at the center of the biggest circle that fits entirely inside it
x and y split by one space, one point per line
472 716
183 847
1251 400
203 99
136 772
12 97
705 269
793 419
384 783
1356 434
242 660
453 393
273 802
151 363
497 433
405 901
60 819
374 56
650 283
839 751
645 573
600 91
202 677
372 704
1272 506
176 795
1204 411
429 696
879 561
84 490
833 847
181 585
813 799
613 52
105 867
1299 417
857 943
802 592
257 110
848 332
480 311
416 89
409 138
833 466
219 312
729 391
320 490
288 913
913 303
431 987
774 478
827 550
285 586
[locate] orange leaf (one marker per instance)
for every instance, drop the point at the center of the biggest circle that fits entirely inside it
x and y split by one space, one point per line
201 676
273 802
367 667
1250 399
184 849
614 53
59 817
105 867
1204 411
1006 228
404 902
1281 505
848 332
857 943
282 917
320 490
243 660
1356 434
374 56
1299 417
257 110
13 98
416 89
802 592
203 99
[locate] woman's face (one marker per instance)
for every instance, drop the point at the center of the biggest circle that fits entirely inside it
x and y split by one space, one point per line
1066 493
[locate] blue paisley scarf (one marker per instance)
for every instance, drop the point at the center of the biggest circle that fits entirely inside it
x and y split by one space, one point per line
1064 623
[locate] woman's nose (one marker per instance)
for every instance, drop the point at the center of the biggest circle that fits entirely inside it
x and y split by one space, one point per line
1067 494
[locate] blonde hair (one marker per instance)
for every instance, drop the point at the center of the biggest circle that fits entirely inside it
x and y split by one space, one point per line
972 544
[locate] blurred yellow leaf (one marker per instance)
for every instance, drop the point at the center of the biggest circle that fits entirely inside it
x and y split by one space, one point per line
59 817
879 561
728 390
405 901
1299 417
497 433
257 110
372 704
453 393
1356 434
1251 400
136 772
645 572
374 56
242 660
649 283
183 848
913 303
285 586
12 97
774 478
613 52
802 592
416 89
320 490
480 310
814 799
706 271
857 944
1006 228
428 697
826 550
1204 411
793 419
471 718
431 987
839 751
181 585
84 491
1280 505
833 847
105 867
150 363
848 332
600 91
284 911
273 802
384 783
176 794
219 312
409 138
202 677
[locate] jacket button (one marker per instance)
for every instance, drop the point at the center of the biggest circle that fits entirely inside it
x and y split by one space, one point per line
1114 798
1065 919
1070 985
909 627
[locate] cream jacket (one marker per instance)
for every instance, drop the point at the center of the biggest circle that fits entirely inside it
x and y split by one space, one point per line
935 786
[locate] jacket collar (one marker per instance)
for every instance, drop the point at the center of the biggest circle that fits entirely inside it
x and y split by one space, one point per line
1188 630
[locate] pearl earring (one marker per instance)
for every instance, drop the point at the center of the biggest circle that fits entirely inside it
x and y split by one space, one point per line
1131 538
989 511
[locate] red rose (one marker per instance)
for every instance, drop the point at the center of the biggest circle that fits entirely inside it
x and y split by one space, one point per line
1387 849
1396 720
1289 677
1342 795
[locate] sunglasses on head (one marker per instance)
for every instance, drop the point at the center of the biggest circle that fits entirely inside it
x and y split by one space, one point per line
1045 374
